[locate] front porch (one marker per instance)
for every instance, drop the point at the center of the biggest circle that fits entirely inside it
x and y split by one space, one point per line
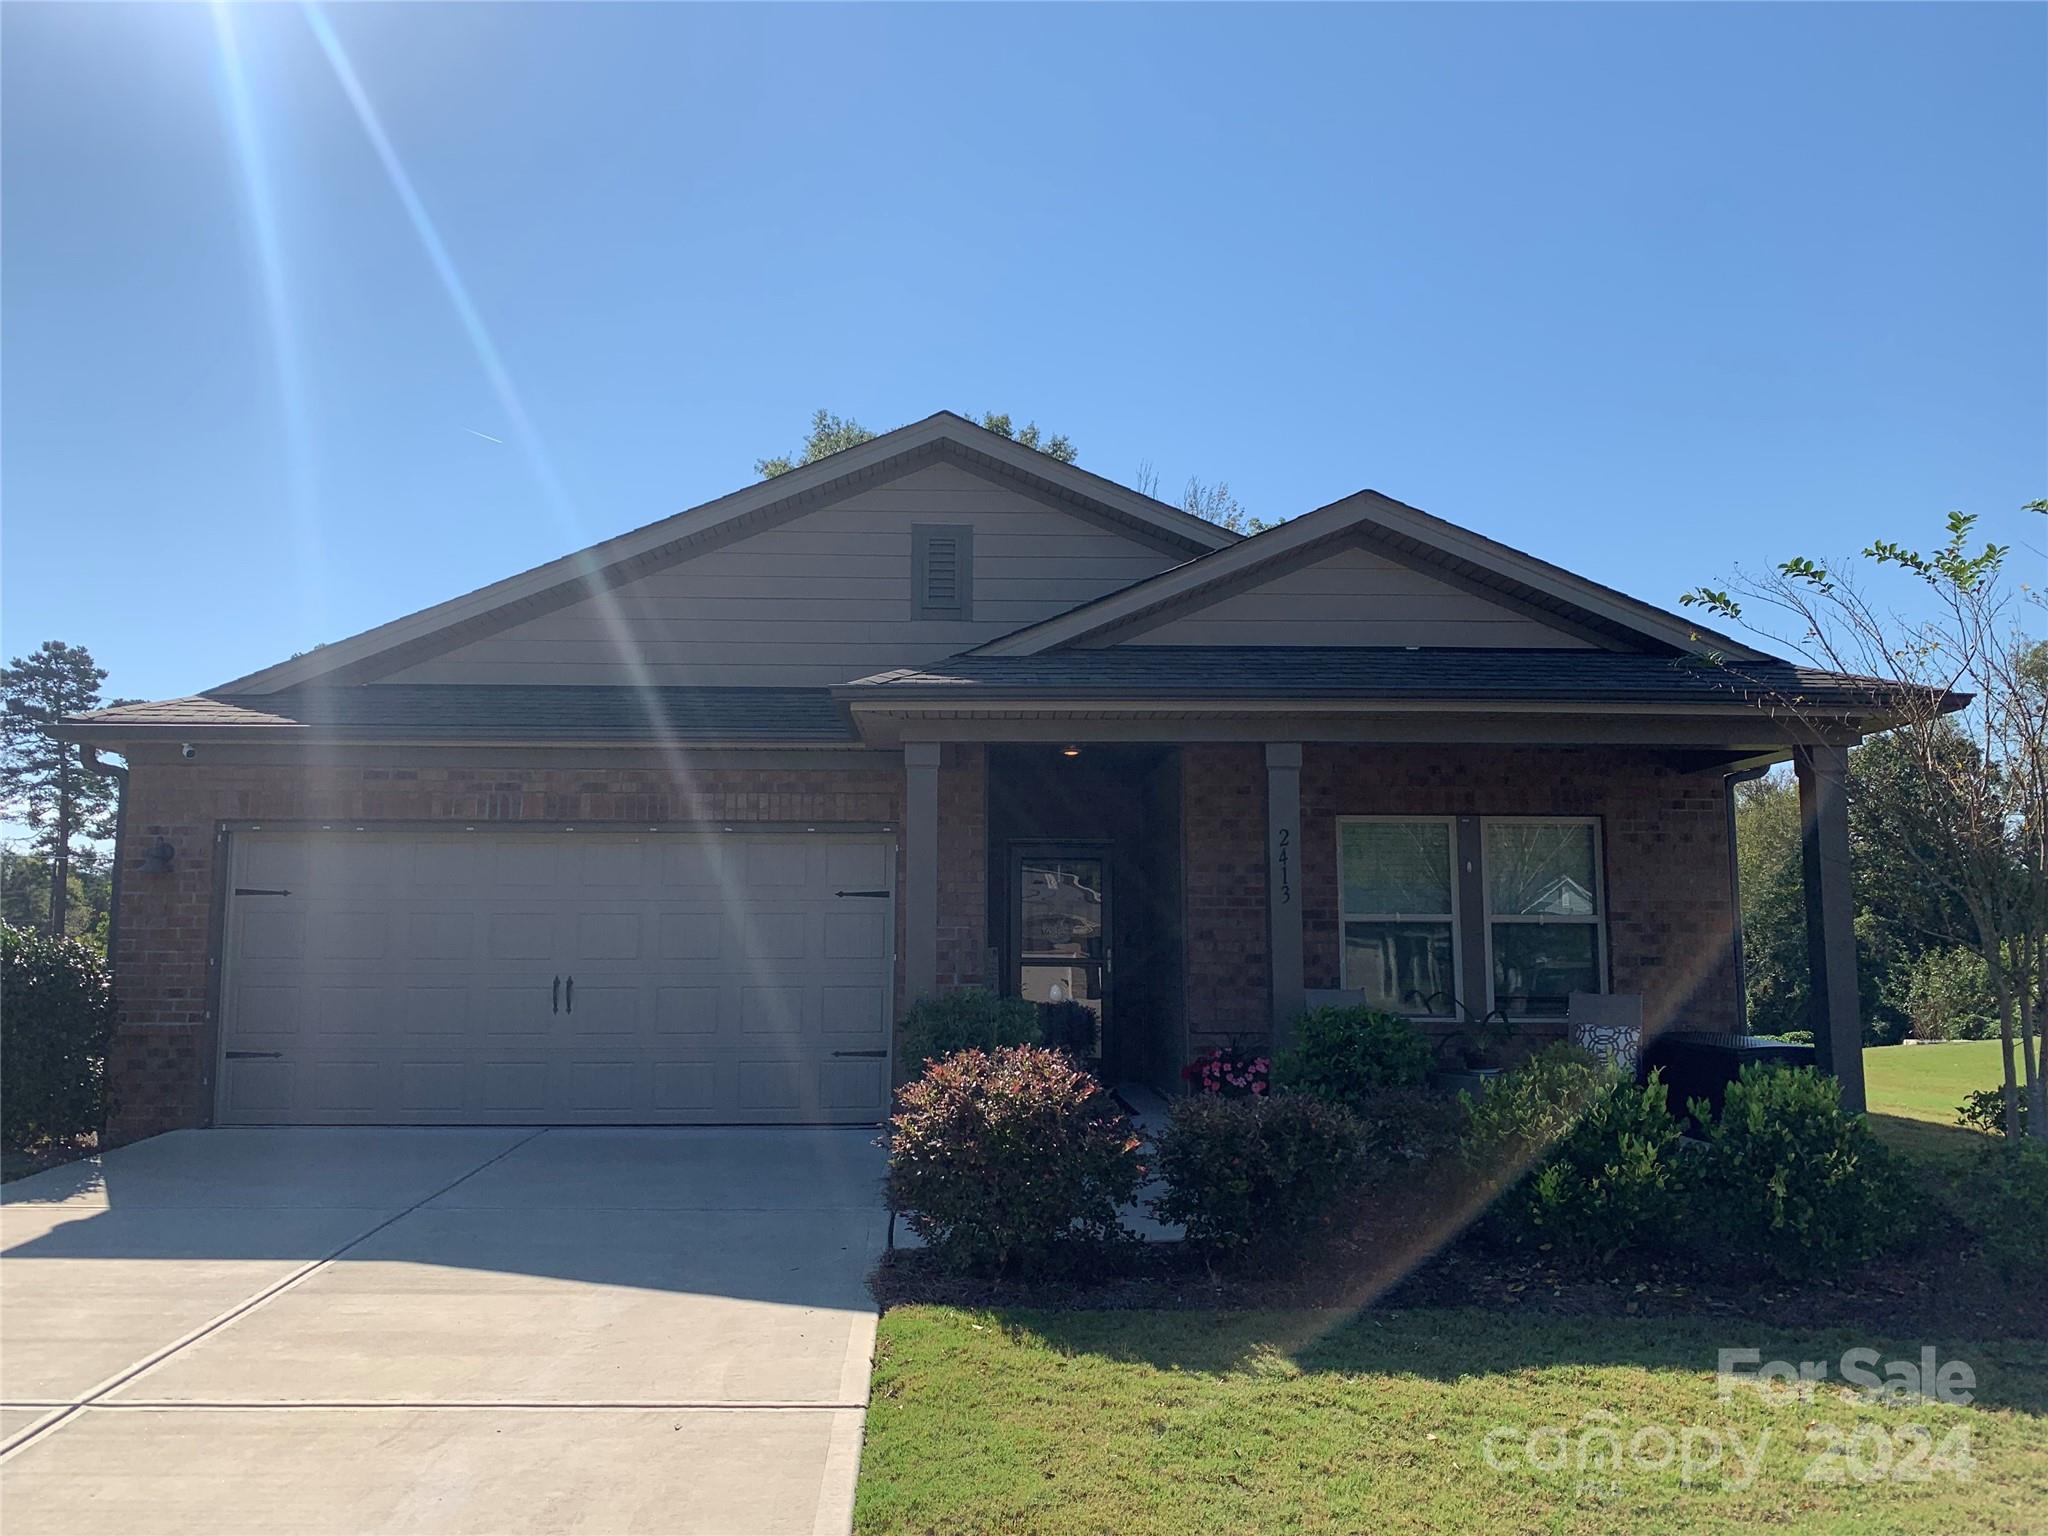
1193 893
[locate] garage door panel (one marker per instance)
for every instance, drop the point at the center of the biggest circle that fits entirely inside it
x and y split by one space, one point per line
512 1086
691 934
346 1010
714 978
443 1008
522 935
348 933
688 1010
608 935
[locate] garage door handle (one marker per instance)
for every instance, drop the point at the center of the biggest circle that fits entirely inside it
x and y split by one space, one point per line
875 1055
860 893
557 1006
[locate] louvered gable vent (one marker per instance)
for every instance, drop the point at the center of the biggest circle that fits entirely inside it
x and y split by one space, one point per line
942 555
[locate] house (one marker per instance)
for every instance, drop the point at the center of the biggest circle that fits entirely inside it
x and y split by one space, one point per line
673 828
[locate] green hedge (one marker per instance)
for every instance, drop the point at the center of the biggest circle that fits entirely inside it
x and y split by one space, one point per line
968 1020
56 1017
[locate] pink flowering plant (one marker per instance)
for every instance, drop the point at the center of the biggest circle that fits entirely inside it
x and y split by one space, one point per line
1229 1072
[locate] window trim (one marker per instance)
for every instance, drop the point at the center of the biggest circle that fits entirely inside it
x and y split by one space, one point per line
1597 922
1454 917
921 536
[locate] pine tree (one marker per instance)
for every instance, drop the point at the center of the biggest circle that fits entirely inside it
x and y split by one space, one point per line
44 781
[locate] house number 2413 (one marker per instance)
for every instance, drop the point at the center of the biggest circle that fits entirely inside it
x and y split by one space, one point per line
1282 861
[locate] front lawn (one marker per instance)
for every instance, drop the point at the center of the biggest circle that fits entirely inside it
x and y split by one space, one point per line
1139 1422
1913 1091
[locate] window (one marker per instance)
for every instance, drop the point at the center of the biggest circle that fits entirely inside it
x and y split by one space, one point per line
942 570
1398 909
1546 916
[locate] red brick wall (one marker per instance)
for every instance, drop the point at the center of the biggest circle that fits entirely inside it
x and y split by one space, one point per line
1670 916
1223 838
166 937
963 867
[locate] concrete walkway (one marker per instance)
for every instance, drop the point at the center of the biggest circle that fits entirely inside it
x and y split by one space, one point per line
384 1331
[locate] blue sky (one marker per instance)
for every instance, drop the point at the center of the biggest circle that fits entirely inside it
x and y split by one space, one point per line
1643 289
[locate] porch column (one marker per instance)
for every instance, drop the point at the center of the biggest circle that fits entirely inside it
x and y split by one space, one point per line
1283 883
1830 916
920 869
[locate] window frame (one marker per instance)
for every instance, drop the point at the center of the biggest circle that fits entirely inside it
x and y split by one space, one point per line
1454 917
1488 917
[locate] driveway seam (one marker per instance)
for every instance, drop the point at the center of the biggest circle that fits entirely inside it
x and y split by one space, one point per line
36 1432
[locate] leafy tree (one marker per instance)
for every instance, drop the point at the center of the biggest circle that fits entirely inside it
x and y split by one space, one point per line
44 781
830 434
25 894
1210 501
1967 690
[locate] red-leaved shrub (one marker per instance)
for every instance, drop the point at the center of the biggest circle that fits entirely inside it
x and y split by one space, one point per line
1011 1162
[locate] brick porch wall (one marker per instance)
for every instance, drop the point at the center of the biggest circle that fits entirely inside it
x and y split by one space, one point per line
1223 842
1670 923
166 932
963 868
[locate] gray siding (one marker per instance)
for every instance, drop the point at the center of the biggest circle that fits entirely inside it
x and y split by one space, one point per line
821 599
1351 598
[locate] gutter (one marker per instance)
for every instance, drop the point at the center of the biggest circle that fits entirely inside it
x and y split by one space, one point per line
1729 781
90 757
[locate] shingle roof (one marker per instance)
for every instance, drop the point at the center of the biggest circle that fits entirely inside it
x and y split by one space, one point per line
451 712
1261 672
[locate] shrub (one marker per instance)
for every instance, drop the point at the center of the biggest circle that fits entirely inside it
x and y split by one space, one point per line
1258 1182
1620 1180
2006 1201
1792 1181
1069 1026
56 1017
1010 1163
970 1019
1342 1055
1511 1128
1984 1111
1407 1125
1229 1071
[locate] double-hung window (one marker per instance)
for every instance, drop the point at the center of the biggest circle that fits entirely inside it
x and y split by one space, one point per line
1546 914
1398 911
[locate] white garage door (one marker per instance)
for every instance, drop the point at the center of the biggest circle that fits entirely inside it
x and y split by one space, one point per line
556 978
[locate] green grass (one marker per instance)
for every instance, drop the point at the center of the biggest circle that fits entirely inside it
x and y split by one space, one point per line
1914 1090
1199 1423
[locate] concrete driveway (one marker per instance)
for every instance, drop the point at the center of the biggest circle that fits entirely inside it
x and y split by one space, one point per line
384 1330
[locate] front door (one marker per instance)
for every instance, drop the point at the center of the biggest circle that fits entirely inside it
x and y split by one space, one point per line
1060 928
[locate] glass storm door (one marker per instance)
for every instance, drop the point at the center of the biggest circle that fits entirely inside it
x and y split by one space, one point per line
1062 906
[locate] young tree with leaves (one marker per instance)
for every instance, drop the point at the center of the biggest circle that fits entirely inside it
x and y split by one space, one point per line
1968 688
830 434
44 781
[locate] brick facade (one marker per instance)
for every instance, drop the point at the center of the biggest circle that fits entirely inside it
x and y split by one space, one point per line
1223 848
1670 924
963 868
157 1062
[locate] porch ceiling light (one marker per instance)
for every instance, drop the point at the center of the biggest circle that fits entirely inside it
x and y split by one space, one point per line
1070 751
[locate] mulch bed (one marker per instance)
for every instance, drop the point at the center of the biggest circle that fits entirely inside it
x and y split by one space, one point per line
1938 1288
51 1154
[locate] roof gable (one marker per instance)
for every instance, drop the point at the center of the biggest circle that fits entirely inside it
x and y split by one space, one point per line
1371 533
594 574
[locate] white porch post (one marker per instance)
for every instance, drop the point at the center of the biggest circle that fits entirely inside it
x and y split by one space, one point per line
1830 916
1283 883
920 869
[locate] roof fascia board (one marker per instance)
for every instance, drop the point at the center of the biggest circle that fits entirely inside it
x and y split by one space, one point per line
800 490
1364 512
1196 578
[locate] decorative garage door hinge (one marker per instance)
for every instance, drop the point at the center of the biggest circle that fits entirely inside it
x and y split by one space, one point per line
860 893
251 890
255 1055
875 1055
